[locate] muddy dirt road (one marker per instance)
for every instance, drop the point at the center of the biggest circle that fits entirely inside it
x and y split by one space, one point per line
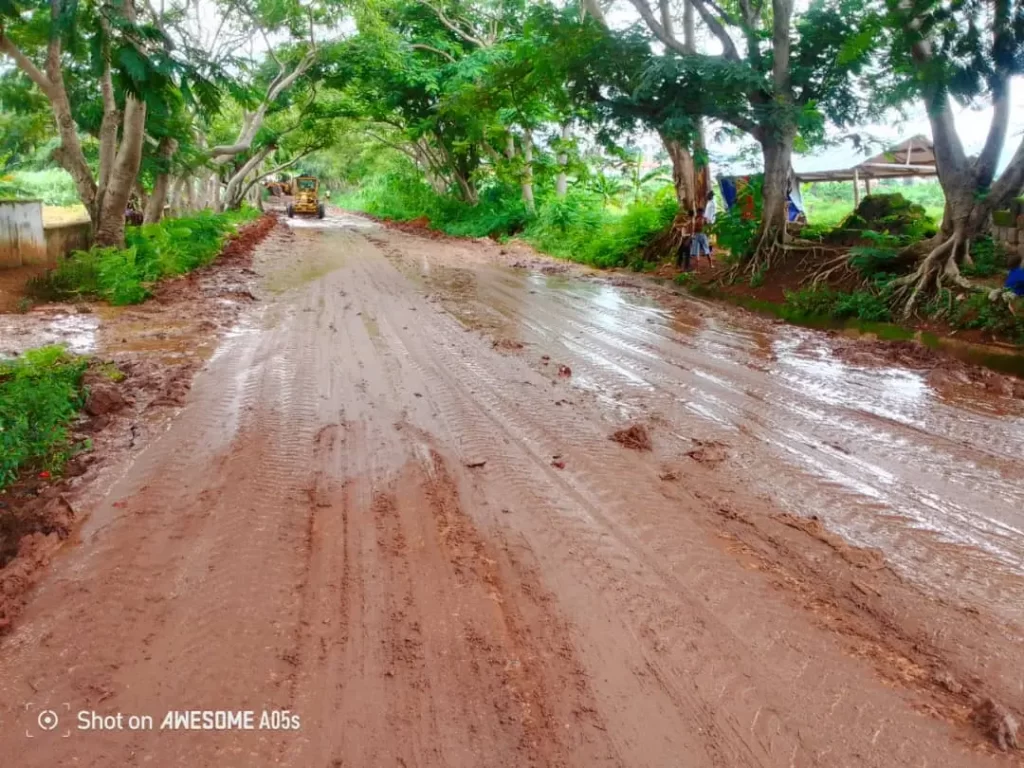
390 507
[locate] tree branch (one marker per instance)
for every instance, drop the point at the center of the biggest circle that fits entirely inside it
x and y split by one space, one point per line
277 169
25 64
452 26
592 7
392 144
1010 182
438 51
1003 54
659 31
666 17
718 30
782 17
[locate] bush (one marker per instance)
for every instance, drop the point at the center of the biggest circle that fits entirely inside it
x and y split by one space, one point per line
625 236
989 258
979 312
892 215
40 395
154 251
734 230
403 195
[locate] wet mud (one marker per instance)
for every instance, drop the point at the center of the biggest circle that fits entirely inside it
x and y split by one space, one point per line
380 507
144 360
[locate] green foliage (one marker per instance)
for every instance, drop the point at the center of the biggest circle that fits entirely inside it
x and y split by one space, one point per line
891 214
979 312
40 395
871 261
580 229
54 186
988 256
821 301
576 227
404 196
757 279
734 231
827 203
154 251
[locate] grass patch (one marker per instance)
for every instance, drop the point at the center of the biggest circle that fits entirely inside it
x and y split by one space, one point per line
40 395
154 251
54 186
821 301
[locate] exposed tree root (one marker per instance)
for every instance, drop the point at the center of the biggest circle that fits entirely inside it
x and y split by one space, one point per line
669 241
938 270
775 247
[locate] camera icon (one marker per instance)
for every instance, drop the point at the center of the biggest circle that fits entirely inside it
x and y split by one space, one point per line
48 720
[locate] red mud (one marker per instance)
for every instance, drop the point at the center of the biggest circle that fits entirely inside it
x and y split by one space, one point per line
37 514
635 437
367 515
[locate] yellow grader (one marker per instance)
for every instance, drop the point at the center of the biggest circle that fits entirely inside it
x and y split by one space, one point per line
304 198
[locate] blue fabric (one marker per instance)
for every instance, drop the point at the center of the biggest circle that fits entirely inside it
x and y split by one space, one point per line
728 186
1015 281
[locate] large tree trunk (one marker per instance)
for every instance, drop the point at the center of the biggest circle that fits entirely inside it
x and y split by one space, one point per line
157 201
970 202
771 234
234 194
690 194
468 191
939 259
683 175
110 227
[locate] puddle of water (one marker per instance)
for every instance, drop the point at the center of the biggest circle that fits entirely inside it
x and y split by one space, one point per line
933 478
74 330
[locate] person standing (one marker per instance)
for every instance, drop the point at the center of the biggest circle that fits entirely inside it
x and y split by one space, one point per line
710 213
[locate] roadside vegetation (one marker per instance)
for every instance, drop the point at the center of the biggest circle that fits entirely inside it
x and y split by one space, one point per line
580 226
593 140
154 251
41 394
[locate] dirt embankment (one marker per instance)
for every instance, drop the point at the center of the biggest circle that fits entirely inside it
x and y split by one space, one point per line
145 358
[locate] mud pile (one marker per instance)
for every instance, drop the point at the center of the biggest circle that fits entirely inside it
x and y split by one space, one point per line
635 437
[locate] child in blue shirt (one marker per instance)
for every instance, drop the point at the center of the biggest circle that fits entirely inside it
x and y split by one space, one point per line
1015 280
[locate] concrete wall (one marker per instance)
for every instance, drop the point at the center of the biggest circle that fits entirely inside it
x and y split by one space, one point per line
62 239
21 233
1008 227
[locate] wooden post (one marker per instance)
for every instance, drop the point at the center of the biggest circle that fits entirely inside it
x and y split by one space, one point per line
856 188
867 185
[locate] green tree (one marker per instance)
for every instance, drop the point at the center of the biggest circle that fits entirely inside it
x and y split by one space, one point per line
780 74
968 52
101 67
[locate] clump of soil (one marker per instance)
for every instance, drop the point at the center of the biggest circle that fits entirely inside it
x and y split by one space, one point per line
892 214
240 246
859 557
710 452
636 437
507 345
997 723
